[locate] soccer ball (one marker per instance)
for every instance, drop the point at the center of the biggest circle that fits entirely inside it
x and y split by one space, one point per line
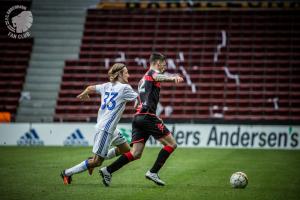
239 180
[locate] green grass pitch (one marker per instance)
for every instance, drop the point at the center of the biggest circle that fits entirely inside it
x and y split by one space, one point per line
33 173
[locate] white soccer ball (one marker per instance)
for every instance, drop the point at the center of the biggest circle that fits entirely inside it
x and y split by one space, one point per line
239 180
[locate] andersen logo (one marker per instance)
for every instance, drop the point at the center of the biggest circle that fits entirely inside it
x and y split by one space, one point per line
233 136
243 138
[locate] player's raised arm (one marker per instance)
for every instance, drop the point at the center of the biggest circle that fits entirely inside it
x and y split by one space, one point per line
167 78
85 94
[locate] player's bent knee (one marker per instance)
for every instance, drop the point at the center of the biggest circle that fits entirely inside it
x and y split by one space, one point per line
174 146
98 163
137 155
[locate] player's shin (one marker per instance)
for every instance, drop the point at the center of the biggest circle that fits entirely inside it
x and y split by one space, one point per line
161 158
120 162
77 168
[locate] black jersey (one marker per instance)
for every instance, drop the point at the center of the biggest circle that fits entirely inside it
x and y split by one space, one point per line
149 91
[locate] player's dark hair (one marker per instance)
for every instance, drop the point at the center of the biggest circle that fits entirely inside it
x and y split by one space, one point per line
156 57
115 70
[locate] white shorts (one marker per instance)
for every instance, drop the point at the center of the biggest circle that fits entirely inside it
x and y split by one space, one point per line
103 140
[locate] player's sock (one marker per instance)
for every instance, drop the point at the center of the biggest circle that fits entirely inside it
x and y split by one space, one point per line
77 168
120 162
111 153
161 158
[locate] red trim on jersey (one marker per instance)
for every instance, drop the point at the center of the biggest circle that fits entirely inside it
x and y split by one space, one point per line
129 156
160 126
169 149
152 114
148 78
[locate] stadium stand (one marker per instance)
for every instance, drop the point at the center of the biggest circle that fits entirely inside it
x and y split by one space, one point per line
262 50
14 59
57 32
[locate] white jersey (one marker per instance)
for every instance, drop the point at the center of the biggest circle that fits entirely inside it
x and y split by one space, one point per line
114 97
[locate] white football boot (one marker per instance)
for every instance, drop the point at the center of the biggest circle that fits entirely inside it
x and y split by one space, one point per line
155 178
106 176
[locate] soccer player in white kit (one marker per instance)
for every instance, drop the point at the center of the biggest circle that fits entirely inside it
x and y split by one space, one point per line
114 96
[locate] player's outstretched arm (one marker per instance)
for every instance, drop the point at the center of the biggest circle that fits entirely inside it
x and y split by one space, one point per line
168 78
85 94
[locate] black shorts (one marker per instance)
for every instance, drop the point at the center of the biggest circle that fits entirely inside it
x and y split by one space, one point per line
144 125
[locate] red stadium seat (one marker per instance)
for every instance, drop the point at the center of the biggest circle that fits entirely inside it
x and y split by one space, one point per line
15 55
266 58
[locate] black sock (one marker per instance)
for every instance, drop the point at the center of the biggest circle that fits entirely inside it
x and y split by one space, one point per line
160 161
120 162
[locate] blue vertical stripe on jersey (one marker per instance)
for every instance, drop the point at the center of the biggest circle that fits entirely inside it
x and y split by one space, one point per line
113 117
102 143
105 134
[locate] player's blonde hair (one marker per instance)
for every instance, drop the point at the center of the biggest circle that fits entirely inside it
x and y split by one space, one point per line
115 71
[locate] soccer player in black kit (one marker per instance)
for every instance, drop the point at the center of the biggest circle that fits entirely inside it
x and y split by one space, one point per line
146 123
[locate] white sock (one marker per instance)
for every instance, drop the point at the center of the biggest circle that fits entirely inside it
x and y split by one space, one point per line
111 153
77 168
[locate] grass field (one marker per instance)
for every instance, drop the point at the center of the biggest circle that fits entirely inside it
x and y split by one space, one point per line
33 173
